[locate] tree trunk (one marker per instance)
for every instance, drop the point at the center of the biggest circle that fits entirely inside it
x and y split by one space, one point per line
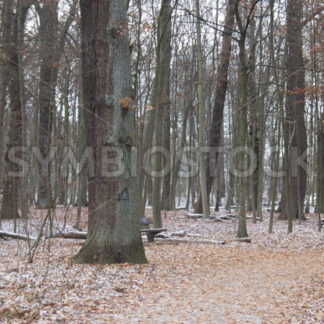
241 118
320 166
47 32
201 121
4 75
220 183
51 49
82 187
167 149
218 109
254 140
161 101
12 183
114 227
242 133
295 109
275 166
177 164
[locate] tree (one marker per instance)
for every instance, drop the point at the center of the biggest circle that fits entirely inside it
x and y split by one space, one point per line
12 181
295 130
114 227
201 118
48 33
161 102
218 108
241 114
186 112
4 73
253 122
51 49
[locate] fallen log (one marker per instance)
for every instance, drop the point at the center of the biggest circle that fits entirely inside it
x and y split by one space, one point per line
83 236
15 236
180 234
69 235
251 217
180 240
188 241
194 216
229 216
242 239
74 235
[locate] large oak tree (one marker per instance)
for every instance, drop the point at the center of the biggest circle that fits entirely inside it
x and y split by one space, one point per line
114 227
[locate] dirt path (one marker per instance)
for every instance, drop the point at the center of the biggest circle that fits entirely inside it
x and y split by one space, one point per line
276 279
182 284
243 285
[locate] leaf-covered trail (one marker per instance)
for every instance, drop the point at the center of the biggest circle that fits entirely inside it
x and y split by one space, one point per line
247 285
182 284
278 278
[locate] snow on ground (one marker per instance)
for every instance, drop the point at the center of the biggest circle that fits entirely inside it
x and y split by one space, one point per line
278 278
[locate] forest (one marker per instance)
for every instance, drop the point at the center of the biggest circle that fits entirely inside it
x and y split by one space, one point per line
161 160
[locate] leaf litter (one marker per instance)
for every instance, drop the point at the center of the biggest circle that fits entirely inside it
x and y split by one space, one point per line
278 278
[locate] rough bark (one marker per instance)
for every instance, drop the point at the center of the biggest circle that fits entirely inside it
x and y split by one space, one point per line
114 227
295 109
4 74
9 208
47 32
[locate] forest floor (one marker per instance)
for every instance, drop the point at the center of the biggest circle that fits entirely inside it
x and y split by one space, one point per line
190 278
